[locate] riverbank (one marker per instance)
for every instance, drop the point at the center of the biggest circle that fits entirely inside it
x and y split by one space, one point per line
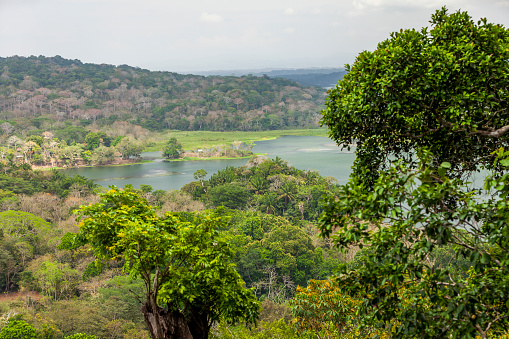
116 164
305 153
205 140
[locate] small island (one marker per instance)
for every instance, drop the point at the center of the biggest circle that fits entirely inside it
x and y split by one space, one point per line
173 151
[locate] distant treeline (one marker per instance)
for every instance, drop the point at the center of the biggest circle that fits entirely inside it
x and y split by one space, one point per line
310 79
47 93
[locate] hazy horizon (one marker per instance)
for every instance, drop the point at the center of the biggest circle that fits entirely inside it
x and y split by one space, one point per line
202 36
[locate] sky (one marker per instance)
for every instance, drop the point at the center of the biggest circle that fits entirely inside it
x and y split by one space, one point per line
203 35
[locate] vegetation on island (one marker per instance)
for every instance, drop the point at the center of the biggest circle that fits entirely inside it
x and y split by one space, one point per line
408 248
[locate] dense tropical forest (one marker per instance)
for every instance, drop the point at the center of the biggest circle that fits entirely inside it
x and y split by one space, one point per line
53 93
272 208
410 247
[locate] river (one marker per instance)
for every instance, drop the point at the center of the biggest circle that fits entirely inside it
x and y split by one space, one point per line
303 152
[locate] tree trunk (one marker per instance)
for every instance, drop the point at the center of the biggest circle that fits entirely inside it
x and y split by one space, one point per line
163 324
199 324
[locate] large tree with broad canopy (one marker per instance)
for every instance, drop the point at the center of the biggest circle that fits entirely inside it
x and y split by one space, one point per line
184 259
444 88
435 262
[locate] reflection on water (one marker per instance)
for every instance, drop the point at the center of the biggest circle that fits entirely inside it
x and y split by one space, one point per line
306 153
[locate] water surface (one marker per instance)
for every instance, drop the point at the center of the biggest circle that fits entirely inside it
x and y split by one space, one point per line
303 152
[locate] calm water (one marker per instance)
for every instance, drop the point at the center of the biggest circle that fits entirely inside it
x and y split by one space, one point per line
307 153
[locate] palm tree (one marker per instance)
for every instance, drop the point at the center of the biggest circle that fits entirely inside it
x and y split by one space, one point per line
269 203
288 191
258 183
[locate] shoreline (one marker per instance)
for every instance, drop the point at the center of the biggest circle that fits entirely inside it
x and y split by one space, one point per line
214 158
48 168
150 149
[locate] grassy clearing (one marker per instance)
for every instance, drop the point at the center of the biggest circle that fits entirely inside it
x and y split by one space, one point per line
192 140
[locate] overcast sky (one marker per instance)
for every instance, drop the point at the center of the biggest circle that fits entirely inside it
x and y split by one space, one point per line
200 35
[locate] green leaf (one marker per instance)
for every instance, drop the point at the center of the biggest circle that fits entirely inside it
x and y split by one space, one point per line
485 259
504 162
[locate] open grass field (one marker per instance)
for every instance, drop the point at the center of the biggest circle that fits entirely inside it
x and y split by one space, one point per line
192 140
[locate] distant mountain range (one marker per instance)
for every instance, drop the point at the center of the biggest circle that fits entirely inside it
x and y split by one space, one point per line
322 77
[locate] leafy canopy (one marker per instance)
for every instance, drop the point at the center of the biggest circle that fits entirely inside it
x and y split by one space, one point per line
184 259
438 102
443 88
408 214
172 149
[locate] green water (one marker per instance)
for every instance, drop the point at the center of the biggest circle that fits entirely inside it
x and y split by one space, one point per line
307 153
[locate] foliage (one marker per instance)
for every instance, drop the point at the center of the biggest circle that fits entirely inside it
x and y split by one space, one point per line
436 100
56 280
199 174
414 211
229 195
23 180
129 148
19 242
182 258
95 139
18 329
81 336
172 149
118 299
323 307
272 329
46 92
270 186
443 88
274 256
328 310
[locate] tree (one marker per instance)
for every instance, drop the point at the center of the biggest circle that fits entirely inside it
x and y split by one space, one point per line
92 141
322 307
129 147
232 195
18 329
409 215
172 149
183 259
6 128
200 175
95 139
443 88
56 280
426 98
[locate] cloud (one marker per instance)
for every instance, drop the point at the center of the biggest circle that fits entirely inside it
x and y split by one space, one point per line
211 18
289 30
366 4
252 37
215 41
289 11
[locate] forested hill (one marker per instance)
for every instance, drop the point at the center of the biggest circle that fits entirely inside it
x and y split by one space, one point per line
37 92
